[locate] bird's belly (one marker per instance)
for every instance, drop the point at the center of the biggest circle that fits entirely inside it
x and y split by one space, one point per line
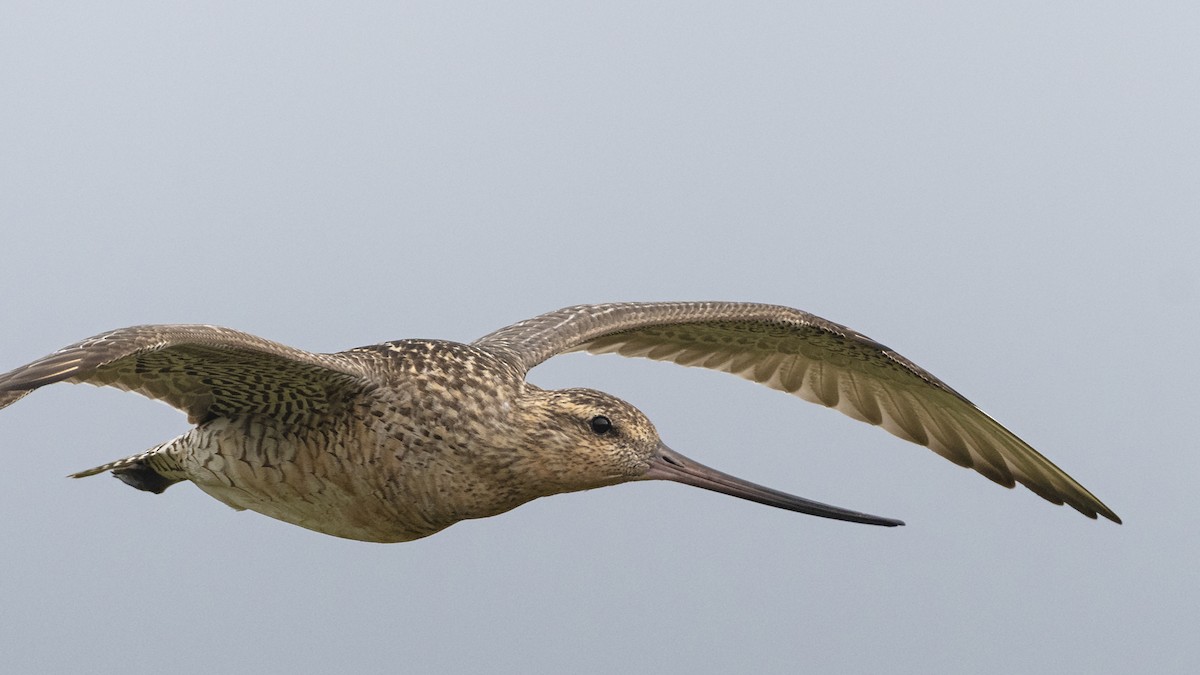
351 518
341 484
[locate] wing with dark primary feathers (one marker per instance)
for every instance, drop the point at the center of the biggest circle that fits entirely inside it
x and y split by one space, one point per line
802 354
205 371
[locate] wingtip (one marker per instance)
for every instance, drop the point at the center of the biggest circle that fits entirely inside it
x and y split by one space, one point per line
1095 511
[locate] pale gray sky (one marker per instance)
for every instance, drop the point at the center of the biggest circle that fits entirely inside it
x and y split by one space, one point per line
1007 193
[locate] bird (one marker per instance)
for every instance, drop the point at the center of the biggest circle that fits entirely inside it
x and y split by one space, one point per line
397 441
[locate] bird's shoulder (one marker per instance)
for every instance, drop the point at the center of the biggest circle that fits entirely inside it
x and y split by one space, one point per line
421 356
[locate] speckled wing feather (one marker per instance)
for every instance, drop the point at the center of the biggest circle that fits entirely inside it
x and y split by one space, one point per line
205 371
802 354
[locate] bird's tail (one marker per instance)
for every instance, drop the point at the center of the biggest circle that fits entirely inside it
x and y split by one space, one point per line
154 470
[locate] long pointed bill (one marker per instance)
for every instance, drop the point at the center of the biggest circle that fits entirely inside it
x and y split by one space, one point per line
672 466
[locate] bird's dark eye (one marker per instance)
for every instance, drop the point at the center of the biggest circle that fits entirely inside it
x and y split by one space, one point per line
601 425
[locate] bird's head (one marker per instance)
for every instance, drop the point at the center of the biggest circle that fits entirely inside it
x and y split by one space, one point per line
586 439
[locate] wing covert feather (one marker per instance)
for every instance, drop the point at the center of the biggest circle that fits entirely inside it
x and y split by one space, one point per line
201 370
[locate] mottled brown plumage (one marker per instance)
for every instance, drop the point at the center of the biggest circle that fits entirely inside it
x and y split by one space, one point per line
397 441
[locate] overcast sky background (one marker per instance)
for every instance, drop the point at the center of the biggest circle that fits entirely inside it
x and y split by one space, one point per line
1007 193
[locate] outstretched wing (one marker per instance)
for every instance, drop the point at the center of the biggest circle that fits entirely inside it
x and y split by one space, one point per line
802 354
205 371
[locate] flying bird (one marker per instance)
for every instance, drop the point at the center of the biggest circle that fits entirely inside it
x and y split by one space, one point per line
397 441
